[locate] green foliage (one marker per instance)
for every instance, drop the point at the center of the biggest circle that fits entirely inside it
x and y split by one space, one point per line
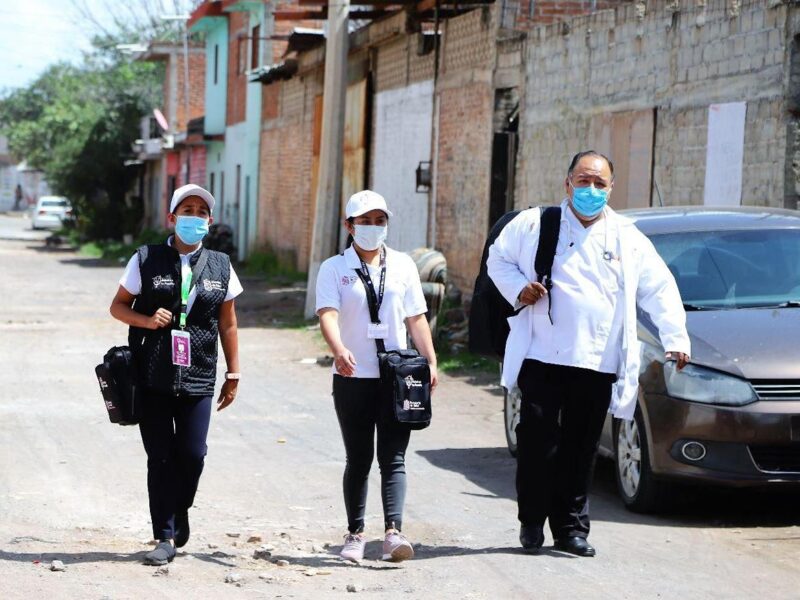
77 124
117 251
267 264
465 362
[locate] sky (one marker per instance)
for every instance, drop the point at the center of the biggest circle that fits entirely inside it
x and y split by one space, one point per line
35 34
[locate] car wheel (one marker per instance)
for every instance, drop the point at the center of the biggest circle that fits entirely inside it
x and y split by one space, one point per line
638 487
511 406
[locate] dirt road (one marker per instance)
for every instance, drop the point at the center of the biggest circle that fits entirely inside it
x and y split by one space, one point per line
72 486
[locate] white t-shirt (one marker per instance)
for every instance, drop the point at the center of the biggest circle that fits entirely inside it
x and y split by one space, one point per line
587 299
339 287
131 279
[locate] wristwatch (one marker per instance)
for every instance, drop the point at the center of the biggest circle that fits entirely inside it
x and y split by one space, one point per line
229 376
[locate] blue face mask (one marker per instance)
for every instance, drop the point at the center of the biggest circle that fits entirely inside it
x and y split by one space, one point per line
191 230
588 201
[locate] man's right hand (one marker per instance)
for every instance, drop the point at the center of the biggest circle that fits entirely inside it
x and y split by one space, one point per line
161 318
531 293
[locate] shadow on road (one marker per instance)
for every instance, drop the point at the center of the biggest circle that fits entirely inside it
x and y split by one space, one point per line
71 558
493 469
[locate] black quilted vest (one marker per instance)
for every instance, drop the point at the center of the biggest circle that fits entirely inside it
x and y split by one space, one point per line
160 266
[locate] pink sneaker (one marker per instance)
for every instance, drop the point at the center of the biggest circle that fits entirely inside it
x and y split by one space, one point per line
353 547
396 547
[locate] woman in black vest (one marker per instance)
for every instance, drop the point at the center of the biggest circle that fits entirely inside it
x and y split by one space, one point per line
178 298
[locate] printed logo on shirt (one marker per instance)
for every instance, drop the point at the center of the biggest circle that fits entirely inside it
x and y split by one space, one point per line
209 285
163 281
348 279
412 383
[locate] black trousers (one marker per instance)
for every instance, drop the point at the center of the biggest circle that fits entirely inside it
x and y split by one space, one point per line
174 432
562 414
357 408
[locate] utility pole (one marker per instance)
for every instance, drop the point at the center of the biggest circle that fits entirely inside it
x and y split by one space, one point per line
329 188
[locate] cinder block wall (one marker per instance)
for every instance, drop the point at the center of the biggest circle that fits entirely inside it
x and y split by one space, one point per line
675 56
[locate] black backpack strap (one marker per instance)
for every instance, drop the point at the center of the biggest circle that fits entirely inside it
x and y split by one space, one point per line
546 251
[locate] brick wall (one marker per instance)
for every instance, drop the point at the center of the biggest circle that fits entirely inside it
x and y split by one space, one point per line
237 67
286 212
466 101
197 87
529 13
676 57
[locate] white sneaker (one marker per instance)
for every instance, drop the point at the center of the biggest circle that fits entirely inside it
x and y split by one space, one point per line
353 549
396 547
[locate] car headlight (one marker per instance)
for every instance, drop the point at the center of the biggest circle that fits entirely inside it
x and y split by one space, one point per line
698 384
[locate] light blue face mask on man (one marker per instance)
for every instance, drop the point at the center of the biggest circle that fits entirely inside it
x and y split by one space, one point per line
191 230
588 201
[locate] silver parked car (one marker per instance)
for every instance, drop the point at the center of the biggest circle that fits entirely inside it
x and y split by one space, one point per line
732 417
50 212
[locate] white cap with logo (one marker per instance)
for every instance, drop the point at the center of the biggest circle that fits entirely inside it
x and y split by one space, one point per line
191 189
364 201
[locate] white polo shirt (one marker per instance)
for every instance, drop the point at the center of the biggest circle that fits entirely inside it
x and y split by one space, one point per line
131 279
339 287
587 304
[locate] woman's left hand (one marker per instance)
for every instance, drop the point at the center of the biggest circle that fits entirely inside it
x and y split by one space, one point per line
228 393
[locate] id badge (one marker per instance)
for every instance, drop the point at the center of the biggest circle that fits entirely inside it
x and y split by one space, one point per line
181 348
378 331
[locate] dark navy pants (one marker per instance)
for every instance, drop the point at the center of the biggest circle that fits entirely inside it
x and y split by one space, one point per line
174 431
356 401
561 418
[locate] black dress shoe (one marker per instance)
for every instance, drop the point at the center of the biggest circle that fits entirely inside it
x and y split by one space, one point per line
575 545
531 538
181 529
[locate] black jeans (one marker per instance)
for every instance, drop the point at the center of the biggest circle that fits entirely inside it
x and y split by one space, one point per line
561 419
174 432
357 408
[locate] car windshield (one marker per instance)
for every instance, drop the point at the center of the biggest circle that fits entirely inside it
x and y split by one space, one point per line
734 269
54 203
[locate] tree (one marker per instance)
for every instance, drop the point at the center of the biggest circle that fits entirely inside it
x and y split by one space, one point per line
77 124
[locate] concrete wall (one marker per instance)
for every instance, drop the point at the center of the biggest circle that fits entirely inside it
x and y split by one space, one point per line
216 92
674 57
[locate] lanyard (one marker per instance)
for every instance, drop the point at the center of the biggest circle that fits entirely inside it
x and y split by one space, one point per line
186 287
376 299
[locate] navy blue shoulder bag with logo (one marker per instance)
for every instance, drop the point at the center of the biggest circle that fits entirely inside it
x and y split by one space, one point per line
405 374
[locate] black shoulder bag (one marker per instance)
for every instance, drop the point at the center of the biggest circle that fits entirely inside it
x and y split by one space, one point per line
405 374
117 374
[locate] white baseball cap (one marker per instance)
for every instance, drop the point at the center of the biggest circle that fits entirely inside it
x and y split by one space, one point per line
364 201
191 189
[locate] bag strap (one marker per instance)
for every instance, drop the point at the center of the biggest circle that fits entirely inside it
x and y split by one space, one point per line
372 302
546 251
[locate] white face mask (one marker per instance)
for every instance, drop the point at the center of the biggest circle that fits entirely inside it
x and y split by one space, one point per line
370 237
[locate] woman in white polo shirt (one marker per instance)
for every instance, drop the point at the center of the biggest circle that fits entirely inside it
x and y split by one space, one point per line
341 303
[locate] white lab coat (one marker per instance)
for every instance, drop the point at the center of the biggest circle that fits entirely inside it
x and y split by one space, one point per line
646 281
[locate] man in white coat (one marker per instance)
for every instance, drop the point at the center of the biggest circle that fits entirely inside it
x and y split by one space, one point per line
575 355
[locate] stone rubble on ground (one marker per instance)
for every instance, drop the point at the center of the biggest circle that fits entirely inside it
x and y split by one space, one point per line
263 553
282 563
161 571
354 587
57 566
234 578
254 539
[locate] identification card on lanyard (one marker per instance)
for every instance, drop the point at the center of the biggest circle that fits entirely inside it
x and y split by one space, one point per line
181 348
181 340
